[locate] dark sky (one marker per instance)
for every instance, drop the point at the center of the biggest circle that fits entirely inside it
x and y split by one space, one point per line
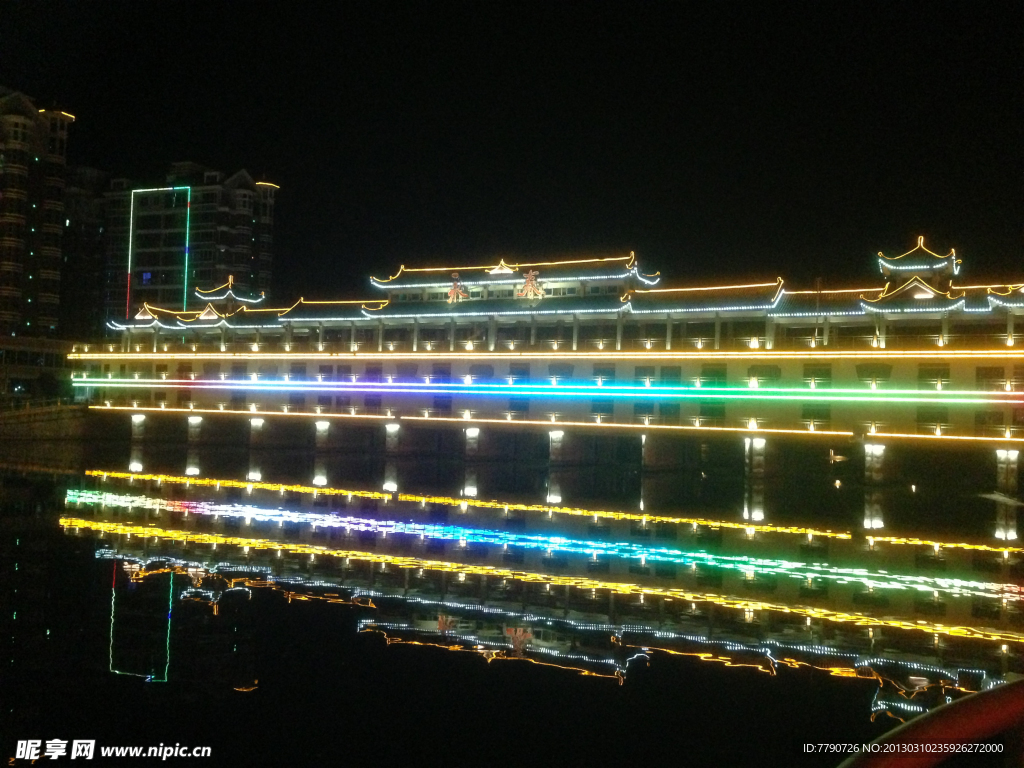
718 140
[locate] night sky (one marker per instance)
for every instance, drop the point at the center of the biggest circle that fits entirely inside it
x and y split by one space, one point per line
719 141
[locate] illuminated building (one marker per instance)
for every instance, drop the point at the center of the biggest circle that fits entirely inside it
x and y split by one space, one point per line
33 149
592 343
196 228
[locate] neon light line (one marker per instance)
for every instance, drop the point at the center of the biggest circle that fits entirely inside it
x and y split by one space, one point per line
131 242
611 391
247 484
188 227
547 509
561 355
403 561
548 543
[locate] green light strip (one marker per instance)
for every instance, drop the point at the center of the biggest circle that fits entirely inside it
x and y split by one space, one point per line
950 397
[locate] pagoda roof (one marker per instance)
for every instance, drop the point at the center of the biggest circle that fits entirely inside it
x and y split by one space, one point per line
557 305
505 273
714 298
227 292
918 259
814 303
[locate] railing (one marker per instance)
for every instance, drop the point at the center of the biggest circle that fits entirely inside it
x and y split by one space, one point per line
14 404
892 341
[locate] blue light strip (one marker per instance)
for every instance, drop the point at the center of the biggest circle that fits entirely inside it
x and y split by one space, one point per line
561 544
961 397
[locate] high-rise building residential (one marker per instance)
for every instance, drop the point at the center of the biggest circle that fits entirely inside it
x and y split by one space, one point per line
194 231
82 314
33 148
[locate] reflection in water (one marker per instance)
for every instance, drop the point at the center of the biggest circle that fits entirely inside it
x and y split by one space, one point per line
746 561
595 591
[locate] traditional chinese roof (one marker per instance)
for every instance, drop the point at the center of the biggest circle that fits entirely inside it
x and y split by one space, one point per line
918 260
227 292
557 305
911 290
504 273
249 316
753 296
813 303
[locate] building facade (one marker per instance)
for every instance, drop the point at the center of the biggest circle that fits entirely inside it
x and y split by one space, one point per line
593 344
82 314
33 151
198 228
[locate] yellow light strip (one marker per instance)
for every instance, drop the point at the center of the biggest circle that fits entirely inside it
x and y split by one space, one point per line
776 283
833 290
915 436
267 184
761 354
502 263
643 427
251 414
540 508
403 561
205 481
576 511
488 654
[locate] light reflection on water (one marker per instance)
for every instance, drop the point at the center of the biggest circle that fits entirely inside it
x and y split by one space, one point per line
907 574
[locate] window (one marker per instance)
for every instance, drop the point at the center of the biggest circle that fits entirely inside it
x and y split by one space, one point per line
932 419
326 373
993 377
297 372
874 373
765 374
443 403
297 401
713 375
644 374
324 402
519 372
441 373
643 410
372 403
603 407
932 375
147 278
671 375
481 372
669 413
712 414
817 414
818 376
604 373
561 371
519 405
988 423
374 373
